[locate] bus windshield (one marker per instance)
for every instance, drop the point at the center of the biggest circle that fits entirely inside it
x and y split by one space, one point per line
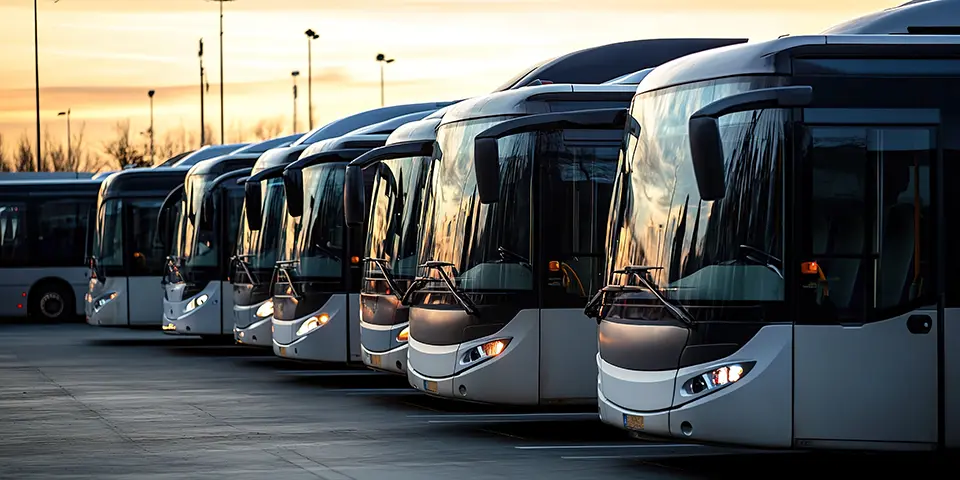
146 255
397 198
320 243
488 245
709 252
199 245
260 247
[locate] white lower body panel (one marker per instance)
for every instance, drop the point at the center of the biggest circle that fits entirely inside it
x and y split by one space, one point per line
113 312
249 329
511 378
206 319
381 349
757 410
327 342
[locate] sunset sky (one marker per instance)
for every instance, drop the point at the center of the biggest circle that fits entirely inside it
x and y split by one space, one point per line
99 57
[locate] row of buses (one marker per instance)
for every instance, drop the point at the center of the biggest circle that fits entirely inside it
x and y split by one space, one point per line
713 240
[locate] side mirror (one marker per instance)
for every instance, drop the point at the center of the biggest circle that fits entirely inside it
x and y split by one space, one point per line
207 209
486 152
706 144
251 199
293 190
353 201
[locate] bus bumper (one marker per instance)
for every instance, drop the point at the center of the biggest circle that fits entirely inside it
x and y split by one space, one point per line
320 336
200 314
251 329
381 348
509 378
756 410
106 303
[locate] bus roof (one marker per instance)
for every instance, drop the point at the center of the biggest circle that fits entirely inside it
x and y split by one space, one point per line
388 126
44 176
917 17
276 157
29 187
219 165
207 151
142 182
265 145
174 159
345 142
604 62
761 58
420 130
362 119
527 100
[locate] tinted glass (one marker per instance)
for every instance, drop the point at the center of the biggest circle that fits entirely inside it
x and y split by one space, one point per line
709 251
111 239
13 234
147 253
321 245
61 231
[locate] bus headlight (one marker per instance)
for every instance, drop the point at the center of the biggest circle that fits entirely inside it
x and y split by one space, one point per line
716 378
482 352
312 324
266 309
196 302
404 335
104 300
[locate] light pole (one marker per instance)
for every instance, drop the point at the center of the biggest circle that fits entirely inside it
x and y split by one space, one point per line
311 36
382 59
295 74
222 130
36 67
150 94
69 139
203 125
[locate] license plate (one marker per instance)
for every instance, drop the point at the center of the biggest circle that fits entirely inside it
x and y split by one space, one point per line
283 351
632 422
375 360
430 386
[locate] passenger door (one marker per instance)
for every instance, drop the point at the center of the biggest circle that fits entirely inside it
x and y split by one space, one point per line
865 338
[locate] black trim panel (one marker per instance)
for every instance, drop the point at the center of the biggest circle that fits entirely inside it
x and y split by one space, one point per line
451 325
382 309
643 346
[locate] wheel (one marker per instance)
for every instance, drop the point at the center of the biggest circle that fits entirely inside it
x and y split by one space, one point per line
51 302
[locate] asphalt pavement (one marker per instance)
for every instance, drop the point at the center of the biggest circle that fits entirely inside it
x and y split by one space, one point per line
85 402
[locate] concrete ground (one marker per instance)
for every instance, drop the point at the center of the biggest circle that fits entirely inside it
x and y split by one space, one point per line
86 402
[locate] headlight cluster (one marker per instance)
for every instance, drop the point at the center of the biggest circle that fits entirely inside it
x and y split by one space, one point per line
716 378
404 335
196 302
105 299
482 352
313 323
266 309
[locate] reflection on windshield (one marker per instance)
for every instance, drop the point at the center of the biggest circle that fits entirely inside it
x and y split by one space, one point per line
110 244
262 245
320 244
196 236
488 245
707 248
397 198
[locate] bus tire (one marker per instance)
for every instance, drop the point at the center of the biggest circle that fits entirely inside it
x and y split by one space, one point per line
51 301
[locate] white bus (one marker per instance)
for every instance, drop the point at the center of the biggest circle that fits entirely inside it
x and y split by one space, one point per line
45 231
127 260
779 268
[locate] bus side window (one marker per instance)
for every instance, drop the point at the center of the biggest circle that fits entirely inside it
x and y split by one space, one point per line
13 234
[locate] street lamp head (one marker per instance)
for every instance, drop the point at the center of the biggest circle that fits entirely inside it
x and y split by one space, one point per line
151 92
61 114
295 73
381 57
311 34
390 60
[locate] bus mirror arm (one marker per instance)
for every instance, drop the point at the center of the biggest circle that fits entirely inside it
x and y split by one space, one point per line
354 206
251 198
486 152
706 143
293 190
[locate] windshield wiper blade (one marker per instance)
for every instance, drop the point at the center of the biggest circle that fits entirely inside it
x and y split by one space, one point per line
282 267
467 305
387 275
638 272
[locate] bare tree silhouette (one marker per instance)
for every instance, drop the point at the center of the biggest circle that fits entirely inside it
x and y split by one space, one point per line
122 149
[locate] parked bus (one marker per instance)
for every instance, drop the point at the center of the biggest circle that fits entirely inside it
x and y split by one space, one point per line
44 233
779 265
194 301
256 255
127 259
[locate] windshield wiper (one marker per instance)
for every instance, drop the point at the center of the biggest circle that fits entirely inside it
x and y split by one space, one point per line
172 269
282 267
504 254
385 270
639 272
744 249
245 265
467 305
